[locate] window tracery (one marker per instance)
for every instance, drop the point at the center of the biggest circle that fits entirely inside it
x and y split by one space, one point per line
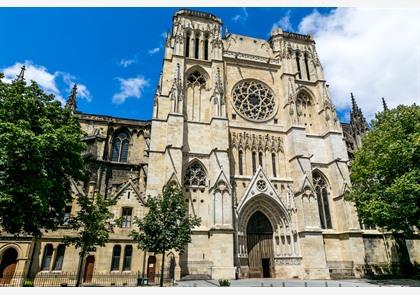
261 185
303 104
120 147
322 196
196 79
195 175
253 100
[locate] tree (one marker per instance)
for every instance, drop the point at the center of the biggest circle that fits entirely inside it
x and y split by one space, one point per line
40 150
385 173
167 225
94 222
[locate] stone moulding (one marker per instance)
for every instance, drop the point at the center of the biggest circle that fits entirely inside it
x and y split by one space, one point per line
245 56
287 260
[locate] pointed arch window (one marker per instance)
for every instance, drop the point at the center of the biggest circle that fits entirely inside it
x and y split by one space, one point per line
241 167
307 66
120 147
195 175
254 162
303 100
196 79
298 65
260 158
206 48
197 46
322 196
273 163
304 106
187 44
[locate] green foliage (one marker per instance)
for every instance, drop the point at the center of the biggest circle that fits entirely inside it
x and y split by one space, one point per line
28 283
167 225
93 223
385 173
40 150
224 283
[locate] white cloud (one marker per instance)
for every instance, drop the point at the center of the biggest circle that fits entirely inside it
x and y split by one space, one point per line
154 50
126 62
46 80
82 90
373 53
236 17
131 87
284 23
40 74
243 16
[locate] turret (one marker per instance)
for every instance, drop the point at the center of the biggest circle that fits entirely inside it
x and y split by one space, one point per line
72 100
21 75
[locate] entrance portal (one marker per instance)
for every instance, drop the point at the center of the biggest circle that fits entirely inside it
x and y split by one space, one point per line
8 265
259 233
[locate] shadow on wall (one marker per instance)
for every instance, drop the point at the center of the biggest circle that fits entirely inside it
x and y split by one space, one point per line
398 265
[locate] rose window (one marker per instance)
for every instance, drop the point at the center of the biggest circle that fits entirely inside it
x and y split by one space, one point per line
253 100
195 175
261 185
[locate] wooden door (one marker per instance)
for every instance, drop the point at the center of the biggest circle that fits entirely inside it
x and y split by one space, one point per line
260 246
8 266
90 263
151 269
266 267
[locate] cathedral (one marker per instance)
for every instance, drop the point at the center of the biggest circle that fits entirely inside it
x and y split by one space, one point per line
247 129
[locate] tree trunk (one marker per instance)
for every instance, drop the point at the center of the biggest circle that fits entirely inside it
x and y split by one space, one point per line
403 257
79 272
162 268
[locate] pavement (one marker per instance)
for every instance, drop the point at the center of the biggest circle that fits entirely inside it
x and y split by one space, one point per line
303 283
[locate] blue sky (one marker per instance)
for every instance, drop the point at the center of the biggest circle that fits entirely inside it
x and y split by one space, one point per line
105 49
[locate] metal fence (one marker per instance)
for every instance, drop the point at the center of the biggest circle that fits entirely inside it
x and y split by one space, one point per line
69 279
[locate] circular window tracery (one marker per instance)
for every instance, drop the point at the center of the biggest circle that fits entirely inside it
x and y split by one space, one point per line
261 185
254 100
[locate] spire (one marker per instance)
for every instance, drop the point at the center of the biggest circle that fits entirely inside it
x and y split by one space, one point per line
21 75
354 106
357 120
384 104
72 100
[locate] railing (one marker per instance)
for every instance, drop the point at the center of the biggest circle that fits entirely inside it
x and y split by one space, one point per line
69 279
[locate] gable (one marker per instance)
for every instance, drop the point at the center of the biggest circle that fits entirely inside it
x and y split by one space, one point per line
259 185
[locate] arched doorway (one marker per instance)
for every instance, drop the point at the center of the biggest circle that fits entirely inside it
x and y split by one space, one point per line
8 265
89 267
259 235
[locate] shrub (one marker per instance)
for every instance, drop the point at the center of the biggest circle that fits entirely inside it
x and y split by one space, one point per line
28 283
224 283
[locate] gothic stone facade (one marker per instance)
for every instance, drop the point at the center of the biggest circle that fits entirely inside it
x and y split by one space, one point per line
246 127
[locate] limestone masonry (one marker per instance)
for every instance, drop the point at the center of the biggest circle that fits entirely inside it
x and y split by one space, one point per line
246 127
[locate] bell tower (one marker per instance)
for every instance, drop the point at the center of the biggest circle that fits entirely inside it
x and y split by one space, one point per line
190 140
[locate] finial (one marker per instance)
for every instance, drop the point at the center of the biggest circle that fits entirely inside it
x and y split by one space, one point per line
384 104
353 102
72 100
21 75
